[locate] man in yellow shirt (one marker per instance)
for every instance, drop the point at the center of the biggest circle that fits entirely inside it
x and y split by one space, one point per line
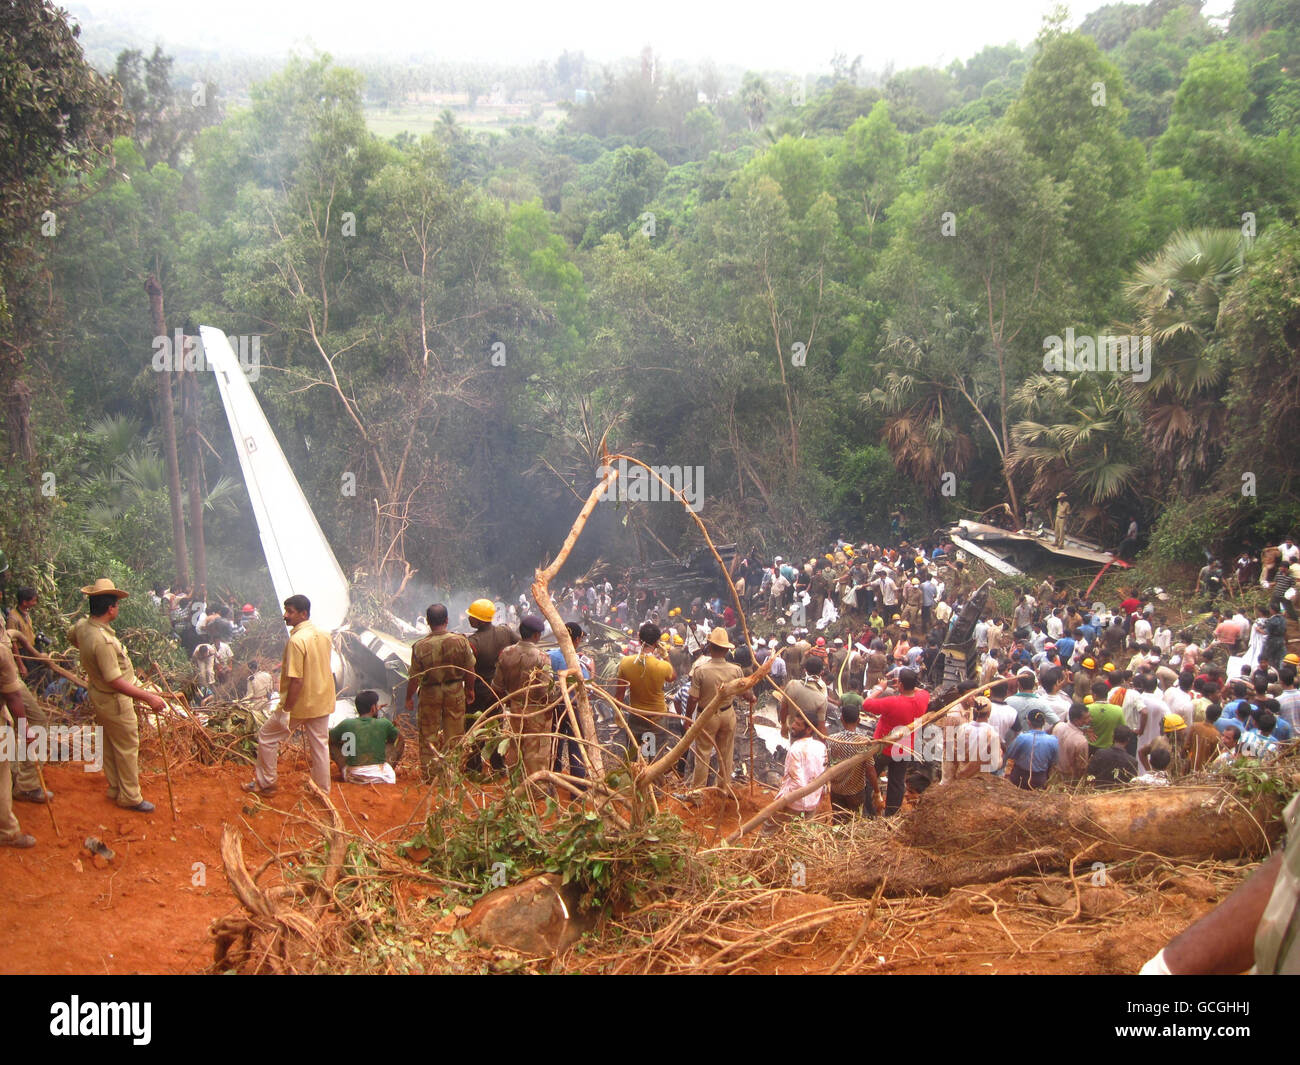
641 680
113 693
306 699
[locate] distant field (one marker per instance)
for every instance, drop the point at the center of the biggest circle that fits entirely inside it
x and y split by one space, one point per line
423 119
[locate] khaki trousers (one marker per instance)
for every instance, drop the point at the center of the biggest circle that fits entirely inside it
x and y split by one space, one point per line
278 728
26 778
534 745
720 732
441 720
9 828
121 746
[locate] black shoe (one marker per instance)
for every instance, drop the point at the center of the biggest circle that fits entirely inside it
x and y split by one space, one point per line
36 795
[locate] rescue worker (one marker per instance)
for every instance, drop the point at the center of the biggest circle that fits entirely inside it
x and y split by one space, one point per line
487 641
12 717
307 697
26 774
1062 516
523 674
113 692
707 676
442 668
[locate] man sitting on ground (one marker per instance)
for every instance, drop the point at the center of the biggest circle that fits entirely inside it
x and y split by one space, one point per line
365 747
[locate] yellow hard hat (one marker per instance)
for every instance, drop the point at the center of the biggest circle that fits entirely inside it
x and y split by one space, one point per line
482 610
678 640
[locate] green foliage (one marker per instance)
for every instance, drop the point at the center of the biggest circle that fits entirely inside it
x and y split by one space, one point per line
1186 528
613 869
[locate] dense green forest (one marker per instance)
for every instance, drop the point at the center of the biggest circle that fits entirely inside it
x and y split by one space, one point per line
827 299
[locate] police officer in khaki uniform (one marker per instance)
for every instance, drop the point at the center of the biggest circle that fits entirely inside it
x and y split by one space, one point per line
11 834
112 687
26 774
1062 518
524 672
442 668
707 676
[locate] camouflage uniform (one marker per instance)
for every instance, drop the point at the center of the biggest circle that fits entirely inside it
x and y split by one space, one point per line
440 664
524 671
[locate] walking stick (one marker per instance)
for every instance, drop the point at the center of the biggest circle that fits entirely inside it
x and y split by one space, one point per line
49 804
167 768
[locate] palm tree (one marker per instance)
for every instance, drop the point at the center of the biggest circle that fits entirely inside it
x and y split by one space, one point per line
1177 294
1081 443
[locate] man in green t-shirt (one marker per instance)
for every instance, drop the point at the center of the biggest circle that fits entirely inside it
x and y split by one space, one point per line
1105 716
364 747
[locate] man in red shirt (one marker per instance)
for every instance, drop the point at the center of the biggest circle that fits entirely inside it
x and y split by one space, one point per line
893 711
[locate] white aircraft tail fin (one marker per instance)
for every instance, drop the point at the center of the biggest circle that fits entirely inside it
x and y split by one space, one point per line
297 554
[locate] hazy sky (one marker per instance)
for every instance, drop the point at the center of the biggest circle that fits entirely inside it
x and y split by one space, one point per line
784 34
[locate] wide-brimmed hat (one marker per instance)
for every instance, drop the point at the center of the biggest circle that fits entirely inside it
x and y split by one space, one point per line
104 586
1060 495
718 638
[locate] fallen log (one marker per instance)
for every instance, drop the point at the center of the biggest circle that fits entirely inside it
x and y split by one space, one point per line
984 828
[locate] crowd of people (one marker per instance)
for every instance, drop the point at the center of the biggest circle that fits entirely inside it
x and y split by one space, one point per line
852 644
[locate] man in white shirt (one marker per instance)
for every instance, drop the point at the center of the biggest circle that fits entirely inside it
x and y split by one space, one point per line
1290 550
804 762
1001 716
1054 625
1178 697
1142 633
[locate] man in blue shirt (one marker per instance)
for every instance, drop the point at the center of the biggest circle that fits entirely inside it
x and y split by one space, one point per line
564 727
1065 648
1033 754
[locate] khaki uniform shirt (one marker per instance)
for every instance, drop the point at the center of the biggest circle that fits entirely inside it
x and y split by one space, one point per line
441 659
811 697
9 680
20 623
307 657
105 660
260 685
707 676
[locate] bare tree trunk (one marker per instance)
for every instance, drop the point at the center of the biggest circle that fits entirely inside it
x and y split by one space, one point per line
168 415
20 425
194 462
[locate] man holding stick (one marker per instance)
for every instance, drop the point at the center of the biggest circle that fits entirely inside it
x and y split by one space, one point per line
113 693
11 700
